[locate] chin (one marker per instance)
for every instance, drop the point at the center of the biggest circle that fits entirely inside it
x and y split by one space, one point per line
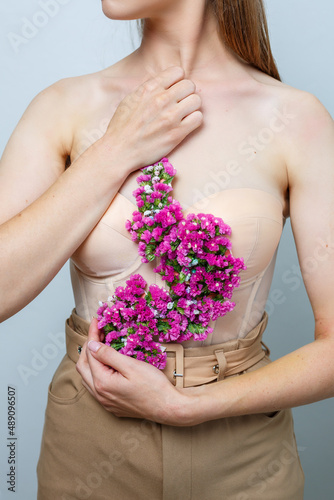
121 10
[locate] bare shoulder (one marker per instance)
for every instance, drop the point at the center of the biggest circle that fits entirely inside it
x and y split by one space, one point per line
72 104
90 89
305 109
309 125
78 95
74 96
54 114
309 135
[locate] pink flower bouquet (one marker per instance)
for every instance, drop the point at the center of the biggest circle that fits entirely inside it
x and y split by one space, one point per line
195 261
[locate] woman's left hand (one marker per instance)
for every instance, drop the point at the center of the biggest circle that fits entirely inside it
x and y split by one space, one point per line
127 387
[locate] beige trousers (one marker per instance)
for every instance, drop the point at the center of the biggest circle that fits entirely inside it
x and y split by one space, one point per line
88 453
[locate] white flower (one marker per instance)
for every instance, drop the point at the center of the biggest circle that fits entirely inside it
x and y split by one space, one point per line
155 179
148 189
148 212
170 305
150 169
160 205
101 303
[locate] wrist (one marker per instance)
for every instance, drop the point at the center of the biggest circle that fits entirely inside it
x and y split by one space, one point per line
187 408
116 155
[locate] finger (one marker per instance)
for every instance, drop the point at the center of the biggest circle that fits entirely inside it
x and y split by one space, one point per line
87 379
190 123
83 368
90 388
100 370
82 358
163 80
92 380
188 105
94 368
181 90
94 332
109 357
100 398
170 76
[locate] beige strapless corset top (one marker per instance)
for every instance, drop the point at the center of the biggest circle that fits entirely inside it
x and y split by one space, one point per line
108 257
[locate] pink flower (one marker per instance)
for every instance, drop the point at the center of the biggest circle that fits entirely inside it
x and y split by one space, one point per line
168 167
139 191
195 262
143 178
179 289
146 236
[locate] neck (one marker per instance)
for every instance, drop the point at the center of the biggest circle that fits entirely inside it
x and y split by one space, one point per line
185 35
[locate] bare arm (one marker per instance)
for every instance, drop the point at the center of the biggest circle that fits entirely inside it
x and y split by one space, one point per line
47 211
303 376
307 374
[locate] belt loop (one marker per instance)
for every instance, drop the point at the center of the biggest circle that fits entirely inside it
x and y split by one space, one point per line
266 348
179 365
178 373
222 364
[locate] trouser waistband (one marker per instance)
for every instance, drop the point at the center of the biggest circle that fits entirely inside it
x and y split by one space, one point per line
192 366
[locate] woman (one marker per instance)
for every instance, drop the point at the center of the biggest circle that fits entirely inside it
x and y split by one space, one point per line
179 455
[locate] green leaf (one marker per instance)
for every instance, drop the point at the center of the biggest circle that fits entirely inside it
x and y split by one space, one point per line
182 278
109 328
117 344
193 328
163 326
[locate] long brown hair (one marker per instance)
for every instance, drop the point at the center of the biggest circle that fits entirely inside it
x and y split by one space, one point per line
243 28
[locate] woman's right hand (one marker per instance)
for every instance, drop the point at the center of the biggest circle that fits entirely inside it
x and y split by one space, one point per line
53 210
153 119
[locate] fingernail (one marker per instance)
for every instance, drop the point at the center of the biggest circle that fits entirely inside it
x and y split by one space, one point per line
93 345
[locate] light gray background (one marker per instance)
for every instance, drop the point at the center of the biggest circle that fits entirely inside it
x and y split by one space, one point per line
77 39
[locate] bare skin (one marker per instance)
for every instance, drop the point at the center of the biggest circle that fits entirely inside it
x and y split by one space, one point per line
238 103
50 202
